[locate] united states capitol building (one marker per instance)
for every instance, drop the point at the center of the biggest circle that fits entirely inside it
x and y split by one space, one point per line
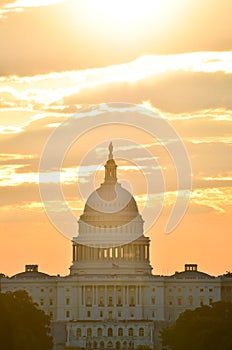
111 299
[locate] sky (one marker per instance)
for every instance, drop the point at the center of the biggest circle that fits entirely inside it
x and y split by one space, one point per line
172 57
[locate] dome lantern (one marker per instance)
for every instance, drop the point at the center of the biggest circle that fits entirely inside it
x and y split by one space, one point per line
110 167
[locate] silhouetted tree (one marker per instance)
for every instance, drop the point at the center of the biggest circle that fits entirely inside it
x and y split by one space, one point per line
207 327
22 325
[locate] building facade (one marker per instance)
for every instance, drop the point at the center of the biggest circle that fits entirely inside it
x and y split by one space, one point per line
111 299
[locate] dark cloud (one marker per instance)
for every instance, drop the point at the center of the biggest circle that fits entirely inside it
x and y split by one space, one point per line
176 92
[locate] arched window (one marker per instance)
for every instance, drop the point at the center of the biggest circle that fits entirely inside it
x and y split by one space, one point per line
89 332
110 332
95 345
99 332
102 345
118 345
109 344
141 332
78 332
120 332
130 332
131 345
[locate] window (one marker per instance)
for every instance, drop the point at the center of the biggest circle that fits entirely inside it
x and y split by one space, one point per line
102 345
179 301
130 332
41 302
78 332
153 314
110 301
170 302
42 290
153 289
190 300
210 301
111 253
89 332
101 301
141 332
109 344
119 303
132 301
153 300
120 332
132 314
119 314
110 315
210 289
50 302
99 332
110 332
67 314
179 290
201 289
101 313
89 301
118 345
67 301
88 313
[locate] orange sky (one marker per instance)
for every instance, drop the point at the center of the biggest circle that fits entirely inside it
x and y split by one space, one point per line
171 56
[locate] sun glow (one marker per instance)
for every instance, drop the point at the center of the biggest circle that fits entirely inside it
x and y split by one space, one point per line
123 17
124 10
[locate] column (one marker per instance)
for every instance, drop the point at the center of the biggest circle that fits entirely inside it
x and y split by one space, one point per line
148 253
97 298
74 252
126 295
123 296
82 295
114 298
105 294
143 252
93 295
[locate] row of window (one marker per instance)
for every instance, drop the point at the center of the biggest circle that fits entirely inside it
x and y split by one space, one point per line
179 290
120 332
109 345
190 301
110 314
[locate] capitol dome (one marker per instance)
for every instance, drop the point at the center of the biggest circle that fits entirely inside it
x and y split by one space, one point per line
110 210
110 203
110 231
